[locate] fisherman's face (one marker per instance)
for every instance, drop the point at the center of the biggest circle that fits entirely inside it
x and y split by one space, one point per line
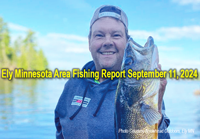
107 43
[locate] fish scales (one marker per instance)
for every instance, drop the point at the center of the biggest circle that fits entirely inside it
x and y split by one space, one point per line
136 109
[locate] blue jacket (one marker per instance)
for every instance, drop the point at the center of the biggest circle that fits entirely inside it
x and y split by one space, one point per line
95 119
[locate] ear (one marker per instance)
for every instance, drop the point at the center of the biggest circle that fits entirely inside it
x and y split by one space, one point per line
89 44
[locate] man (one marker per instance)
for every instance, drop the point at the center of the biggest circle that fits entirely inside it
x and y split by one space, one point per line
86 106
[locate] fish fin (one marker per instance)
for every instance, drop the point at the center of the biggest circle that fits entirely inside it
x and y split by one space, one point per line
151 115
152 88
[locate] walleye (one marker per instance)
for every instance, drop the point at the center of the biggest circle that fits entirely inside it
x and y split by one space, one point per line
136 102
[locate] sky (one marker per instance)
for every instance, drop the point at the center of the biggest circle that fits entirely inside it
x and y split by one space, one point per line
62 28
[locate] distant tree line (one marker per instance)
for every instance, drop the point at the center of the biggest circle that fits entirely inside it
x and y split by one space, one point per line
21 54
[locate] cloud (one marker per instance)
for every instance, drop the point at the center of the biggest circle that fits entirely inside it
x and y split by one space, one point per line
68 37
74 48
17 31
58 48
166 48
169 33
16 27
65 51
78 4
195 3
186 2
66 42
179 63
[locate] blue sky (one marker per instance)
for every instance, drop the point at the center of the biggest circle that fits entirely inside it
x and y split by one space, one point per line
62 27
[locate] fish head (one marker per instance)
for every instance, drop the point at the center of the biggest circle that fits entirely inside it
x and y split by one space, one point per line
137 57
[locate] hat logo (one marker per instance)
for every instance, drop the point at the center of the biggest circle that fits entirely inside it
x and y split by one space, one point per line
112 14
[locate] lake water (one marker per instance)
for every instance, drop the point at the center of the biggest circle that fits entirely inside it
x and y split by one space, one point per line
27 108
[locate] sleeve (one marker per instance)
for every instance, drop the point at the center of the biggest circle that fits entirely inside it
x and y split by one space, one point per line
163 133
59 134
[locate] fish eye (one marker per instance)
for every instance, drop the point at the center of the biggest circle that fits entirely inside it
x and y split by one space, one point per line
128 61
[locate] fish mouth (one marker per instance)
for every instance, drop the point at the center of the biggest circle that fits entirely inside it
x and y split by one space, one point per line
107 53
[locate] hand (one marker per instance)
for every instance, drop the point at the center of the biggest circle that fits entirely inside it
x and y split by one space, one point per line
163 84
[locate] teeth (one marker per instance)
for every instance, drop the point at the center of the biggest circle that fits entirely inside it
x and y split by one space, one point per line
107 53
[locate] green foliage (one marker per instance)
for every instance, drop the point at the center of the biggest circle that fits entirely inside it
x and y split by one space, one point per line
5 50
23 54
42 61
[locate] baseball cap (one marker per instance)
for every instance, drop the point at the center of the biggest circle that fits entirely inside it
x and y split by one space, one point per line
110 11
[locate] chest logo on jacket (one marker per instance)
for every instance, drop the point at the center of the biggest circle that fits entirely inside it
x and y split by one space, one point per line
77 100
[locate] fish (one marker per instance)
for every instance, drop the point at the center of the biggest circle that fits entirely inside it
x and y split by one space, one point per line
136 101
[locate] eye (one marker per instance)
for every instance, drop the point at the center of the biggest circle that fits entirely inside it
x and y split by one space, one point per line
117 35
98 35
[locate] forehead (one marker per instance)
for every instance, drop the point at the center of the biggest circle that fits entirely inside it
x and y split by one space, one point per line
108 24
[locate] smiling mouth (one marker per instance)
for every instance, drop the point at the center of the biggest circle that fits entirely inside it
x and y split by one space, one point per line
107 53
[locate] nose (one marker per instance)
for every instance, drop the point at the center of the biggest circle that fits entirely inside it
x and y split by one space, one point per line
108 42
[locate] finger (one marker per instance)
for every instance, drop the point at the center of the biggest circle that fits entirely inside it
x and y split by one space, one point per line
159 67
163 83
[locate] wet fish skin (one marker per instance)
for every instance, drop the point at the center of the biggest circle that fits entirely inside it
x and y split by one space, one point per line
135 107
